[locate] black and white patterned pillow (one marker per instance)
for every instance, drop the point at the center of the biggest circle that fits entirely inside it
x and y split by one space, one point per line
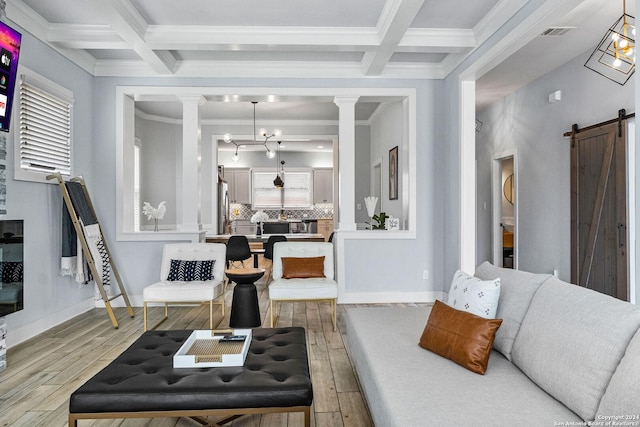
189 271
11 271
479 297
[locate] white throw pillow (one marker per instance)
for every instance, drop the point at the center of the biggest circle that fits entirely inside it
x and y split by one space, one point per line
473 295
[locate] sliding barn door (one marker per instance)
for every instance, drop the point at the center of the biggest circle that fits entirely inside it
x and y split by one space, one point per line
598 210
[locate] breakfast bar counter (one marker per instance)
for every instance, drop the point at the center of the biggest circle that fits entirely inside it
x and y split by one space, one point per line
223 238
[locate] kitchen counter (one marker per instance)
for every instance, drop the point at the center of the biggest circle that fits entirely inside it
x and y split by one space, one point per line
223 238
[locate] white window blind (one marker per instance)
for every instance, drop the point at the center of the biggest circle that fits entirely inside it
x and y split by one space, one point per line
296 193
45 126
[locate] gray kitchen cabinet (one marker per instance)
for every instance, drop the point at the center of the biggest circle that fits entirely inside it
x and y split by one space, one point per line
323 185
239 182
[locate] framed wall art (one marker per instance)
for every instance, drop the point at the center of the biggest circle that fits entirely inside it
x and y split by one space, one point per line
393 173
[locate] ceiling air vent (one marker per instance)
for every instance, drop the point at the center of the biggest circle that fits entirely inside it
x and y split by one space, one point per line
556 31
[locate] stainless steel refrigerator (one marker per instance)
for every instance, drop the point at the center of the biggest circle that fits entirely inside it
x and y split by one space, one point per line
223 206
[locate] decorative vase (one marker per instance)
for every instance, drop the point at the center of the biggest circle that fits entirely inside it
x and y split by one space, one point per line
155 224
259 229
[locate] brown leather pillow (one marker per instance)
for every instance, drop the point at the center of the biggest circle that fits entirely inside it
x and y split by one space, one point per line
302 268
460 336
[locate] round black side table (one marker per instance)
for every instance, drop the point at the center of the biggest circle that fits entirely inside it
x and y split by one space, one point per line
245 312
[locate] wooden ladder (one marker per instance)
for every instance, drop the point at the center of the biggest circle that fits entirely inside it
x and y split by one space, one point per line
77 225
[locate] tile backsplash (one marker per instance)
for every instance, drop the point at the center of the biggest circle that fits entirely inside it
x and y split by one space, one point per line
242 211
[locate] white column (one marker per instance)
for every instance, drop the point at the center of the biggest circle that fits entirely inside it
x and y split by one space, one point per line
467 176
188 199
346 161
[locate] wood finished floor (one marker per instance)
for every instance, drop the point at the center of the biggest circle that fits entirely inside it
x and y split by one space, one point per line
44 371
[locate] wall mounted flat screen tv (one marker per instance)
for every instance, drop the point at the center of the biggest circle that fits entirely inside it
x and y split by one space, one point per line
9 51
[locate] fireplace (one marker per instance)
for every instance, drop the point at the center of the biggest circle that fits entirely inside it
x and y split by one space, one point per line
11 266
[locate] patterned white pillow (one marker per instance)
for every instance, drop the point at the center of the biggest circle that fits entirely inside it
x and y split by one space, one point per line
468 293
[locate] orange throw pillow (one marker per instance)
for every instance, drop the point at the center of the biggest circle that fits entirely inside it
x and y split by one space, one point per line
302 268
460 336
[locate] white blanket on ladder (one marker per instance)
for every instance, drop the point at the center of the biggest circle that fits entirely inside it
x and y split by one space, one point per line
99 253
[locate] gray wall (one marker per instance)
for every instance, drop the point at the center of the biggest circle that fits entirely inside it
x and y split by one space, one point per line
528 124
449 130
50 298
397 265
160 144
363 172
139 261
386 133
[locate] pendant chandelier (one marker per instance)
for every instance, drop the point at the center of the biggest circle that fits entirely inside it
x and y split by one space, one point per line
615 56
279 182
228 138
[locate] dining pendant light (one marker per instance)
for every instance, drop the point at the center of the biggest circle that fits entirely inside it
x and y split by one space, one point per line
228 138
278 181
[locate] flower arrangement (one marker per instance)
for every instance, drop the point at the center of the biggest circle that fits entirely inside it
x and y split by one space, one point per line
370 202
259 216
154 213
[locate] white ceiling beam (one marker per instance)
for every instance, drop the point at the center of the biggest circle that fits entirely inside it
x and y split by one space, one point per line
85 37
436 40
395 19
173 37
430 40
127 22
498 16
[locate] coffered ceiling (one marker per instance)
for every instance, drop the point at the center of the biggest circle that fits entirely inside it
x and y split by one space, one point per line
416 39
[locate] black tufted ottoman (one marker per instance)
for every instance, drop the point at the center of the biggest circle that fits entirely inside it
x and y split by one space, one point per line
142 383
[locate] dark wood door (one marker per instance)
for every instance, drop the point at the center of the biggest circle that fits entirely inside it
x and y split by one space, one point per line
598 210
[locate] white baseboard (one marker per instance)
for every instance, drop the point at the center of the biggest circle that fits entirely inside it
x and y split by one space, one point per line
388 297
21 334
134 300
343 298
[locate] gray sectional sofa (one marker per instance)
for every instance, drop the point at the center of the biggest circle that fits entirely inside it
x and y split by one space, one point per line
564 355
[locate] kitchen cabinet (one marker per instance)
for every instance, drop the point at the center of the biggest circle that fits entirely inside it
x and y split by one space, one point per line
325 227
239 183
243 226
323 186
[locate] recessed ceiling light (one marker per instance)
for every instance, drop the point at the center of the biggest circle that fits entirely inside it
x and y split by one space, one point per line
243 146
320 146
282 145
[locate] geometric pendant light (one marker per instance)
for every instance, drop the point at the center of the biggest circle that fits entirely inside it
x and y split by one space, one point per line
615 56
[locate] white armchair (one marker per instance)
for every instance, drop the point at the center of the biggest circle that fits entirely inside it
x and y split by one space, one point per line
188 291
284 289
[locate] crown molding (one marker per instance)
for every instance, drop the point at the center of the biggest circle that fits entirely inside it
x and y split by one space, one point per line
242 122
25 17
267 69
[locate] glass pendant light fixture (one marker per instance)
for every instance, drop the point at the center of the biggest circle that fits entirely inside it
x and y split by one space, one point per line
228 138
615 56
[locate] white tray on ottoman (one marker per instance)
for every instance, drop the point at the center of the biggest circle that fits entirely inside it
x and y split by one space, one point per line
204 349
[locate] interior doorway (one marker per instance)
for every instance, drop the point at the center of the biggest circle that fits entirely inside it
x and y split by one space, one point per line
505 210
